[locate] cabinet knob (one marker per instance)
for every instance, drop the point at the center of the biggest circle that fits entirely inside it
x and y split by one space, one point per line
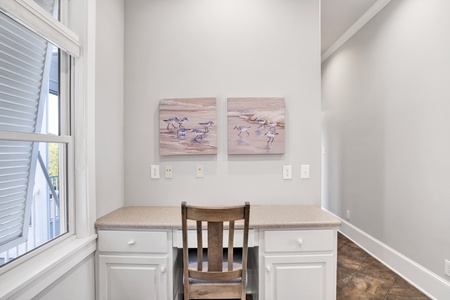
131 242
163 269
268 268
300 242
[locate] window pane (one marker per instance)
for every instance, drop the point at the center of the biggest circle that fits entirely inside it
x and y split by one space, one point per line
51 6
33 202
32 198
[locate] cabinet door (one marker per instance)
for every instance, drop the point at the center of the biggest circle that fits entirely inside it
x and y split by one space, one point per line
299 277
133 277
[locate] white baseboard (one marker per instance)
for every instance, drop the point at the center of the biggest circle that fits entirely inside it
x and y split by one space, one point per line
423 279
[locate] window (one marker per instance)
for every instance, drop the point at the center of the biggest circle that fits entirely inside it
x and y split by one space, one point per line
35 139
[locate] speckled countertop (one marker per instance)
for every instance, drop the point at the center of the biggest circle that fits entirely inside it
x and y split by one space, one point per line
261 216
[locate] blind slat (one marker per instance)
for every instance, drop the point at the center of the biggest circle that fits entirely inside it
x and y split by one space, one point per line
18 83
13 197
16 103
11 233
7 66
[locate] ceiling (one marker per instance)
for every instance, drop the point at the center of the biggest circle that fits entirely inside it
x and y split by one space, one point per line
338 16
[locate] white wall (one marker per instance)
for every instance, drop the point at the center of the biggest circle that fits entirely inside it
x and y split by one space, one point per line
386 131
223 48
109 89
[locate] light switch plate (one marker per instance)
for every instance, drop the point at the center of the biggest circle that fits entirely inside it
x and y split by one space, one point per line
304 171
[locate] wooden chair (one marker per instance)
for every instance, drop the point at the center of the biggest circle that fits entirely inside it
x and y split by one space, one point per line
215 279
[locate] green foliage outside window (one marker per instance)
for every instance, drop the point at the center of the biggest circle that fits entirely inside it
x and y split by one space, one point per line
53 168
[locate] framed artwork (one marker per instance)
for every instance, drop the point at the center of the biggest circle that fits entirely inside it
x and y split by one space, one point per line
187 126
256 125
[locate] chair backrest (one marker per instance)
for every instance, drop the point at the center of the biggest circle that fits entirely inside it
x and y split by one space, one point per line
215 281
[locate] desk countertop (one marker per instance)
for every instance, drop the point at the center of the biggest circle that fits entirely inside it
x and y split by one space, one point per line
261 216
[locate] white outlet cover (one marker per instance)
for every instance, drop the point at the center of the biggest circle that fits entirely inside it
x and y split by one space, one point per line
287 172
154 171
168 172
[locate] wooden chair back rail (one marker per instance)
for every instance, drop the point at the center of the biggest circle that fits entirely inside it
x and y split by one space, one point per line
219 214
215 218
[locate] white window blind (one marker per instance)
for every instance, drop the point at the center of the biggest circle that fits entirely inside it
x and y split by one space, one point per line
24 63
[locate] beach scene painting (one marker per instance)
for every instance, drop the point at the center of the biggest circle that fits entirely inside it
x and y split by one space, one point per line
256 125
187 126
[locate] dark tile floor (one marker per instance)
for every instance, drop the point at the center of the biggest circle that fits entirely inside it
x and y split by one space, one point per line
360 276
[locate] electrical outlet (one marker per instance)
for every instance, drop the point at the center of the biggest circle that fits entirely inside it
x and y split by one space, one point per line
199 171
287 172
447 267
168 172
154 169
347 215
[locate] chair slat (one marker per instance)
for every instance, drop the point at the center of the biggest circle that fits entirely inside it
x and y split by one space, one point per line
230 245
199 246
215 246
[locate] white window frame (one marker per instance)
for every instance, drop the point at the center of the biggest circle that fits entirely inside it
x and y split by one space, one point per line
35 272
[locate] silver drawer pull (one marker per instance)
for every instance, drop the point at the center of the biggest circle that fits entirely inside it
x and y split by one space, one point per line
163 269
300 242
268 268
131 242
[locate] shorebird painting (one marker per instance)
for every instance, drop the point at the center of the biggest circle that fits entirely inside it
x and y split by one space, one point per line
271 135
242 129
265 116
187 126
171 121
206 125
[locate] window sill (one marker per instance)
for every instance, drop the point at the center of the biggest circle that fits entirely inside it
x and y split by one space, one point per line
31 277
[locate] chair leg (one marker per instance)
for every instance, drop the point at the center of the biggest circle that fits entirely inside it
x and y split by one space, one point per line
186 293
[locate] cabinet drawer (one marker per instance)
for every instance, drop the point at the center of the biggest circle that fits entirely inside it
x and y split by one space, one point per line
299 240
133 241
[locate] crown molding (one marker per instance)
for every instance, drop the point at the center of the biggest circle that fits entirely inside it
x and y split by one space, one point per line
366 17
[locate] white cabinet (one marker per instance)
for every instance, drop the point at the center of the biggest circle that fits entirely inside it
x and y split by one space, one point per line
134 265
298 264
133 277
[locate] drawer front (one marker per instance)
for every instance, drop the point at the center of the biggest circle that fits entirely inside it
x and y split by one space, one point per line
299 240
133 241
